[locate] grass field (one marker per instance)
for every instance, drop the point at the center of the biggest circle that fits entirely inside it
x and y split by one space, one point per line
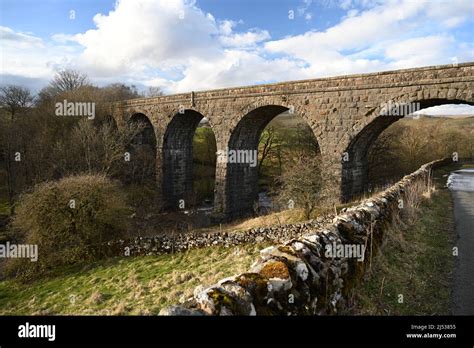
125 286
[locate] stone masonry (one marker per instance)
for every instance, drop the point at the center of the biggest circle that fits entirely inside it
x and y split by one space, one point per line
346 114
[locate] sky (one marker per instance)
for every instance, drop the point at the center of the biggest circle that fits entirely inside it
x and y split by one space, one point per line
185 45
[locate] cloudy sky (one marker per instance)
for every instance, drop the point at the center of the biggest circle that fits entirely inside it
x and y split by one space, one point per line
183 45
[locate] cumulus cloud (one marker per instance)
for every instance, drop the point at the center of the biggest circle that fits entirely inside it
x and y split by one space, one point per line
386 36
9 37
25 57
248 39
139 37
177 46
235 68
451 13
421 50
142 33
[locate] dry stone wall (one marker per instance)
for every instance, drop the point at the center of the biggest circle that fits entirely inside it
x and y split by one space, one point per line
297 277
166 244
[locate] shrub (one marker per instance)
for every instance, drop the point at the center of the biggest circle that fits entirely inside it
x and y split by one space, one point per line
68 220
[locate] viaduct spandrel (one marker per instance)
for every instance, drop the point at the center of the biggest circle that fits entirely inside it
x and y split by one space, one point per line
346 114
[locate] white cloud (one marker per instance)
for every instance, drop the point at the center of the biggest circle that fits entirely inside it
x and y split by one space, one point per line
448 110
63 38
356 32
451 13
383 37
235 68
427 50
345 4
141 36
144 33
18 40
241 40
175 45
226 27
24 56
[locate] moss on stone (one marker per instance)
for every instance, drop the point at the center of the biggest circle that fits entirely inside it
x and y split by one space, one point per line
250 279
275 269
254 283
222 299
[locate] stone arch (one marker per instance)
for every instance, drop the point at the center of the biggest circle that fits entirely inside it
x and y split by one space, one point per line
241 185
354 176
142 150
177 154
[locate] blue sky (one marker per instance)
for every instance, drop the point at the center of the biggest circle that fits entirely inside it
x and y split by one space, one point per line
182 45
47 17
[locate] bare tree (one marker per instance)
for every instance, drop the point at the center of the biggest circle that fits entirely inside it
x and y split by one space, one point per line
68 80
15 98
119 91
95 149
154 91
307 185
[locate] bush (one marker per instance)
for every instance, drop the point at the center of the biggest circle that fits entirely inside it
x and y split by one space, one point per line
68 220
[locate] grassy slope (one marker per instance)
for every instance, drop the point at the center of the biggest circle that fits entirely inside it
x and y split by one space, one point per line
123 286
416 261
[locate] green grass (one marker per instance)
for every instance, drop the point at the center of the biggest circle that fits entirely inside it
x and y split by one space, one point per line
125 286
416 261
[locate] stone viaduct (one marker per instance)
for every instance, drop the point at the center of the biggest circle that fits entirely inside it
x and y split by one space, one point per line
346 114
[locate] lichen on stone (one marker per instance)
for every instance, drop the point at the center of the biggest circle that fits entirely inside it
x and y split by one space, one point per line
275 269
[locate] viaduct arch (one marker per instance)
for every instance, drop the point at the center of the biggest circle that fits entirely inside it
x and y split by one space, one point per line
345 113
